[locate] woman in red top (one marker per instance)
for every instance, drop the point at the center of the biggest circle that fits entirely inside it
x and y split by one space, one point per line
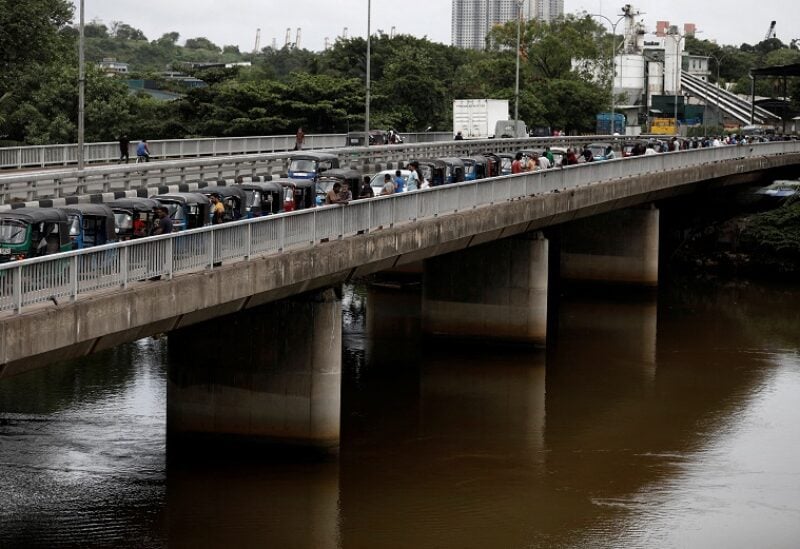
516 165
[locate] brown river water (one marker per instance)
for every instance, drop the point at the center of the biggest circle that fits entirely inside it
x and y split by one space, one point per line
668 420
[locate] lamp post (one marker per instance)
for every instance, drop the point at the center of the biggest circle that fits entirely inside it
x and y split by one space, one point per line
678 38
516 85
369 53
613 59
81 89
718 61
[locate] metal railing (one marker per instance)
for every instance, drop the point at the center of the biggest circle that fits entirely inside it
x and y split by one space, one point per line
42 156
68 275
57 183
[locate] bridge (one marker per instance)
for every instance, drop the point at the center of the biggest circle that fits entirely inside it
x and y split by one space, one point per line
266 286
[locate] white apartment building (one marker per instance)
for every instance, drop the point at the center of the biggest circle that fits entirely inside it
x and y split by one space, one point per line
473 19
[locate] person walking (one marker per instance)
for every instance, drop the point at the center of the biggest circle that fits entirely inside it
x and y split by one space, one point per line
388 185
413 178
163 221
217 210
516 165
299 139
124 148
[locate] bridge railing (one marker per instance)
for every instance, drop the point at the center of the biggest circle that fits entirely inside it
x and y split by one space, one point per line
56 183
69 275
43 156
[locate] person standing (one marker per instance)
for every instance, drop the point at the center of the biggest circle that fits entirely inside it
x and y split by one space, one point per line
299 139
516 165
124 148
163 222
366 190
459 137
217 210
413 178
333 196
388 185
399 182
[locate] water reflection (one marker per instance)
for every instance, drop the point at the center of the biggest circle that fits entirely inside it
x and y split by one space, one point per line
655 421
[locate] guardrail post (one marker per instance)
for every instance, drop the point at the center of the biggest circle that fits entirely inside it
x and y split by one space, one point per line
314 224
73 277
281 234
123 266
170 266
248 250
18 289
211 253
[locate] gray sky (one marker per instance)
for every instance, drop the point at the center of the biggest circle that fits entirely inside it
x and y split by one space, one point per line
236 21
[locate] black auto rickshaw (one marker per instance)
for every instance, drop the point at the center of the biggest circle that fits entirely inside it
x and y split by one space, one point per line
187 210
454 170
432 170
134 217
298 194
352 178
494 165
262 198
506 159
310 165
90 225
33 232
475 167
232 197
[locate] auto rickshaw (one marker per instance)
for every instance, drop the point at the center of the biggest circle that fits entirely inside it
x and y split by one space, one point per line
33 232
298 194
433 170
506 159
494 165
134 217
454 170
187 210
233 198
475 167
310 165
262 198
90 225
337 175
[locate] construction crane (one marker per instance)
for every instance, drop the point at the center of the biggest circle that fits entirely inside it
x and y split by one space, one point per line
771 31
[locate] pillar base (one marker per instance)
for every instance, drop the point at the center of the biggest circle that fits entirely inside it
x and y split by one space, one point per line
495 291
268 375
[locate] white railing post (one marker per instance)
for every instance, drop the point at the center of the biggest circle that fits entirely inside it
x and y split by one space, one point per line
73 278
211 249
170 255
123 266
248 250
17 289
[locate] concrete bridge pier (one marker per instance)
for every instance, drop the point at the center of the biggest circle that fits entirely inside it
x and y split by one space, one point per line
616 247
495 291
271 374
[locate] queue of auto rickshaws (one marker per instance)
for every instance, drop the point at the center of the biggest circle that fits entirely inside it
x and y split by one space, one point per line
32 232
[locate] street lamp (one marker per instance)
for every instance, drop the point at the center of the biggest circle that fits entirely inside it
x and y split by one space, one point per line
516 85
81 88
369 53
613 60
718 61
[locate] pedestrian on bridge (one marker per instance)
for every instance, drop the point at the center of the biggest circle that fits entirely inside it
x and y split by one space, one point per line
124 146
299 139
142 151
366 190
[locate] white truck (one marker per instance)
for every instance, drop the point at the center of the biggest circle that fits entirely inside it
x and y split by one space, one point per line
477 118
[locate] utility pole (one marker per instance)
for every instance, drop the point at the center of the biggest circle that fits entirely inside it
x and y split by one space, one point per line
369 53
613 62
516 85
81 89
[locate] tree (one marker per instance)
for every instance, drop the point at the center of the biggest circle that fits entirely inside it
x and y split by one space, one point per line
30 35
123 31
201 43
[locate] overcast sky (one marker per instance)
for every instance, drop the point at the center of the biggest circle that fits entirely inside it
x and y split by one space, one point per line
236 21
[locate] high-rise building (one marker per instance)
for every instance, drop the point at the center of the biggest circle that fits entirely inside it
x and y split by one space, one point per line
546 10
473 19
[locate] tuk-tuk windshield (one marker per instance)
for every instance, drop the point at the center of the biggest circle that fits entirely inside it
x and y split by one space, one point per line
74 225
174 211
303 165
253 197
12 231
427 172
123 220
